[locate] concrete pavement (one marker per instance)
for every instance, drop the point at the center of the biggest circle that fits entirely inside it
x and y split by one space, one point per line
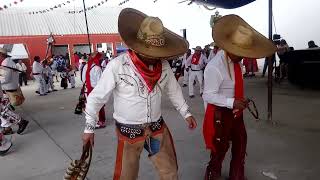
289 149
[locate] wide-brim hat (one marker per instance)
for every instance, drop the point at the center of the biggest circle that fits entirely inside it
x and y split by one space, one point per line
197 48
148 37
4 51
232 34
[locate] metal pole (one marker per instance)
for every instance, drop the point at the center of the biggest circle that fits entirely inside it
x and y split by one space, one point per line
85 16
184 33
270 66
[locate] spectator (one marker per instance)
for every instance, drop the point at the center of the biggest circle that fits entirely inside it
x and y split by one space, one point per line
251 66
283 47
23 74
311 44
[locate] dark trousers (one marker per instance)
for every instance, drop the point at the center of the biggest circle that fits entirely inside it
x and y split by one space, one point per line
23 78
234 131
265 66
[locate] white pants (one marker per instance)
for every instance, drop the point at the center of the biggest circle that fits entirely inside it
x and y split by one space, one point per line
41 84
50 84
185 77
7 116
72 81
46 86
192 76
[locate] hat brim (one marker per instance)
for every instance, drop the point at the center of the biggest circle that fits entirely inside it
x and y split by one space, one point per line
224 28
128 26
5 53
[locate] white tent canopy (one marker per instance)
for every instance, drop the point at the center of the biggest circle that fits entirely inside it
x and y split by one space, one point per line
18 51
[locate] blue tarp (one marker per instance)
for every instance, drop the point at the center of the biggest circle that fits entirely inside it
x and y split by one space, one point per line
121 49
228 4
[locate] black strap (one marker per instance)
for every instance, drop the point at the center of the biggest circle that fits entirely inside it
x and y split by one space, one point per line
253 111
14 69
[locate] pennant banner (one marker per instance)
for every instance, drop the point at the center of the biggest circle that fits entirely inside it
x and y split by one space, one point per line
6 6
51 8
89 8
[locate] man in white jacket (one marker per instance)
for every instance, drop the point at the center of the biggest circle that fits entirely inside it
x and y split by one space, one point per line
37 72
9 72
23 74
138 79
185 68
195 64
10 83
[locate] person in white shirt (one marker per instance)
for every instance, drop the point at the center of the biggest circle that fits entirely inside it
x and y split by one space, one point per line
91 76
37 72
51 74
9 83
54 66
9 73
71 75
45 73
224 93
195 64
138 79
185 68
23 74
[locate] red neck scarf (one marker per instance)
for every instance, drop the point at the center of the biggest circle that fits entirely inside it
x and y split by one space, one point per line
208 124
195 58
91 61
149 76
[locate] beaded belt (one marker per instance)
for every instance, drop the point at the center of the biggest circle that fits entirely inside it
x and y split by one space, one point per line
137 130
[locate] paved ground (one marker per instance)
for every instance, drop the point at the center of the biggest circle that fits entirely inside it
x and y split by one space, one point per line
289 150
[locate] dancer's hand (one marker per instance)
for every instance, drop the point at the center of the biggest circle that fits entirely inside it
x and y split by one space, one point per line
240 104
192 123
88 138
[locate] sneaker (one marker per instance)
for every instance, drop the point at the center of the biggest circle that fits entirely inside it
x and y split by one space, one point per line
192 96
5 146
54 90
22 126
37 92
184 85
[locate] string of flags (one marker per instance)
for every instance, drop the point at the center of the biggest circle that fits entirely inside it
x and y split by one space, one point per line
88 8
125 1
51 8
6 6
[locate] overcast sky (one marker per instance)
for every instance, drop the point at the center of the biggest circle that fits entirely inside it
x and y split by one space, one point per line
296 20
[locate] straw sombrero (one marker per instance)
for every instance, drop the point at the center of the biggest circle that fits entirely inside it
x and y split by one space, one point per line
148 37
4 51
236 36
197 48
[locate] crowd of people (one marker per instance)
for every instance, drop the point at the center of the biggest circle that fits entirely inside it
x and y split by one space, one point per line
192 65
